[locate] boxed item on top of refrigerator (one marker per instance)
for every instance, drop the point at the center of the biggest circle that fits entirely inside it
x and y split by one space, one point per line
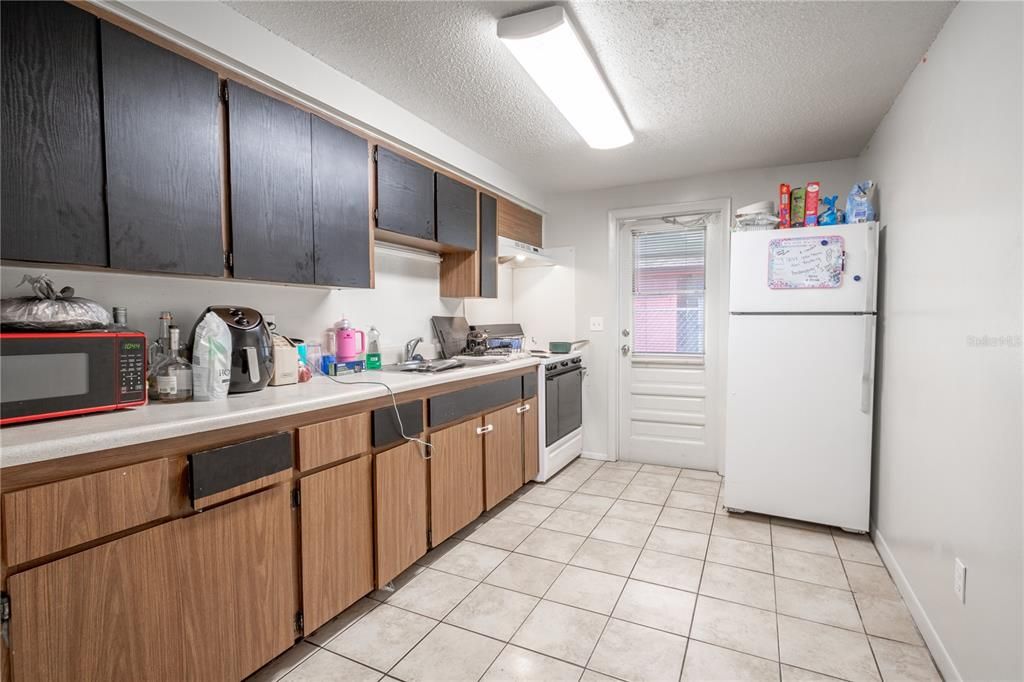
783 205
811 204
796 207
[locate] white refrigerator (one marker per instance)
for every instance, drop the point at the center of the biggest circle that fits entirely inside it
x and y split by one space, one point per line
801 373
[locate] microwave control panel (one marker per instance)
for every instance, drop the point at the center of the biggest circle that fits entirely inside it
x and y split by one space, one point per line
132 369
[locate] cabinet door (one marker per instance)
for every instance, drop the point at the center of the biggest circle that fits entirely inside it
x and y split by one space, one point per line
52 188
488 246
456 479
503 455
163 186
400 493
456 214
531 441
237 585
337 540
341 206
108 613
271 188
405 196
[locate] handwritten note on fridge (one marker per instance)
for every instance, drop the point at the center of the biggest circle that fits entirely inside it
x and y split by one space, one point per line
805 263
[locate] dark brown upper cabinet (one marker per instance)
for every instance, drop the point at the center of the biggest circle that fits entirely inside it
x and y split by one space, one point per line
341 207
456 213
162 125
405 196
488 246
52 178
271 188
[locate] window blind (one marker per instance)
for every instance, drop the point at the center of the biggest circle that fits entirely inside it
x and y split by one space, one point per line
668 291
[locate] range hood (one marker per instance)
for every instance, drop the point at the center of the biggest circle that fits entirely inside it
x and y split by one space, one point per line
521 254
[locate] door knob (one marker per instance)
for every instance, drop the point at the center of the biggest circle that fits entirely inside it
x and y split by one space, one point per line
625 349
625 332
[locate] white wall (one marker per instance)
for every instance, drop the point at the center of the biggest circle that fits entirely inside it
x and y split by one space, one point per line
406 296
580 219
947 158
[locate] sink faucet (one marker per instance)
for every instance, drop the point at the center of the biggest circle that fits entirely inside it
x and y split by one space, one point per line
410 349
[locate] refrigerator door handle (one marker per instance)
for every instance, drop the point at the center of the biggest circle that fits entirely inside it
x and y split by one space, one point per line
867 373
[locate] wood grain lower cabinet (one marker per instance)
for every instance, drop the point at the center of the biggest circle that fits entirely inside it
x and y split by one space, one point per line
237 577
400 494
531 440
503 454
337 540
109 613
456 478
208 597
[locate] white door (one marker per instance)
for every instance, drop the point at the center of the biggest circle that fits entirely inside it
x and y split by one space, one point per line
765 263
798 423
667 357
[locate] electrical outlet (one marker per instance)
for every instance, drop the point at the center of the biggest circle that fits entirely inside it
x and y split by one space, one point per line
597 324
960 580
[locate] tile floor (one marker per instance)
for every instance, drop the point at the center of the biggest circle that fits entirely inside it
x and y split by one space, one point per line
629 572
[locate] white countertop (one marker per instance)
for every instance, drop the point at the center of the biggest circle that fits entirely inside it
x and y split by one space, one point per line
36 442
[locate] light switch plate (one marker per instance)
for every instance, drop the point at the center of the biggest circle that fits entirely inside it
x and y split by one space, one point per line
960 580
597 324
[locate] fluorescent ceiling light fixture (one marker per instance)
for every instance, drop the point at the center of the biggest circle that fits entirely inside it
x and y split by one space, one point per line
550 49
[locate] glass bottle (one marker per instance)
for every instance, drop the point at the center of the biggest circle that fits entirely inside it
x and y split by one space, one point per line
174 378
159 353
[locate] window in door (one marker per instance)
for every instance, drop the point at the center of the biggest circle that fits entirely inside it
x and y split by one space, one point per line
668 291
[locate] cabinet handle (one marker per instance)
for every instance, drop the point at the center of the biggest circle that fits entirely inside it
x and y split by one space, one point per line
522 408
481 430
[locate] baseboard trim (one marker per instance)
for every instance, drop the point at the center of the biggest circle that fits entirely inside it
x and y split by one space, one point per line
601 456
931 637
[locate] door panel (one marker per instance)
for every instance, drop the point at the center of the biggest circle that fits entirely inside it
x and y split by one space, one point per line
798 440
237 582
456 213
108 613
405 195
748 274
550 410
456 479
531 441
488 246
52 205
163 187
503 455
341 206
570 402
400 488
271 188
337 540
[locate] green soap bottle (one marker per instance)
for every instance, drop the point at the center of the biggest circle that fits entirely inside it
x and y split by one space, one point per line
373 347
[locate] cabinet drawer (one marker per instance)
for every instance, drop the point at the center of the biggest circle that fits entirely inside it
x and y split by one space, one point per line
386 429
453 406
333 440
240 468
48 518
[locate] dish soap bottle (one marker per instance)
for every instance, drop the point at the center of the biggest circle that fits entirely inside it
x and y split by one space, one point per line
174 378
373 348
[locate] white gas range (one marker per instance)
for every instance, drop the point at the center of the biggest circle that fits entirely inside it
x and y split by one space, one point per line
560 403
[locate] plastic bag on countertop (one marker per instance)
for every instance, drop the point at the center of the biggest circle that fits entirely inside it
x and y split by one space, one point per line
50 310
211 359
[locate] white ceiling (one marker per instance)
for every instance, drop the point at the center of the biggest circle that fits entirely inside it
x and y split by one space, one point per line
707 86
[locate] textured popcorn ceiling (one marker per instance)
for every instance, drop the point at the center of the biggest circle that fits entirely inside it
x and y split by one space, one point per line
706 86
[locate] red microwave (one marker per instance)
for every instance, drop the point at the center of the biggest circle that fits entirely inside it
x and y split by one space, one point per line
47 375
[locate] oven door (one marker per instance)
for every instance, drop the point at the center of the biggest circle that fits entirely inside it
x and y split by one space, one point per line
53 375
570 402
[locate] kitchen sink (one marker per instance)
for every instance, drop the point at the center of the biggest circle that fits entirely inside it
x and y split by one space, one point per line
423 366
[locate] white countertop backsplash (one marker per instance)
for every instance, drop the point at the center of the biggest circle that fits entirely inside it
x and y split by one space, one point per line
36 442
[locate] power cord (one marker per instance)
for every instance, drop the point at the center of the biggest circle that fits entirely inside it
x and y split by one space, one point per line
427 451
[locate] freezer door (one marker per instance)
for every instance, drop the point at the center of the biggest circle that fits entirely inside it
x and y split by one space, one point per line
798 417
749 291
